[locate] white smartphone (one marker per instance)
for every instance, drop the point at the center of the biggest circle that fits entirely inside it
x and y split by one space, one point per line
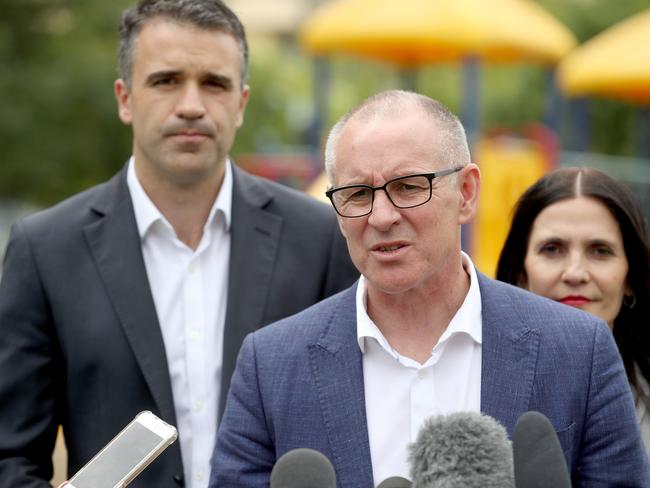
127 454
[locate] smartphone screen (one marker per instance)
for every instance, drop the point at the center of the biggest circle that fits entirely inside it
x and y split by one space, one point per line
123 454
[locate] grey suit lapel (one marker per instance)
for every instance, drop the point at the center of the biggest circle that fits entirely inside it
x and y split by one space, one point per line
255 234
509 356
336 365
115 245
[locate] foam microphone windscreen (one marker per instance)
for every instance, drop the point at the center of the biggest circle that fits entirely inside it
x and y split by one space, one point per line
395 482
303 468
462 450
538 457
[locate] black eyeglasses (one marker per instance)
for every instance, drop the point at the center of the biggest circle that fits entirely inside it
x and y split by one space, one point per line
403 192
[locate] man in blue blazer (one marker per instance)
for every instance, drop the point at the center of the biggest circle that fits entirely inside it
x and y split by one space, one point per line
422 332
136 294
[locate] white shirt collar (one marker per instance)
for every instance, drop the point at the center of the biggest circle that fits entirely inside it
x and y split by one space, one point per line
467 320
147 214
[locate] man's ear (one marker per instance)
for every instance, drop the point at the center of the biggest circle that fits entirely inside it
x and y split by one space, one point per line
469 184
243 102
123 96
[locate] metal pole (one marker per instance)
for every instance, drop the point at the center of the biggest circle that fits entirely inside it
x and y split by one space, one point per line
321 102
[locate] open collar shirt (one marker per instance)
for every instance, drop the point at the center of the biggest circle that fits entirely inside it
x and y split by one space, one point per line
401 393
189 289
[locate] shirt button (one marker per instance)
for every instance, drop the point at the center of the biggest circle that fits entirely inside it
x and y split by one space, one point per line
422 374
194 335
199 476
192 267
198 405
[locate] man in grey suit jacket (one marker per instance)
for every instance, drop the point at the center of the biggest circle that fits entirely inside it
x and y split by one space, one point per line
422 332
101 312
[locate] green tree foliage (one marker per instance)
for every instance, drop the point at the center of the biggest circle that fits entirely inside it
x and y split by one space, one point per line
58 125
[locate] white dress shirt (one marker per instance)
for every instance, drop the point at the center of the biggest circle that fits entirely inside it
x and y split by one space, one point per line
401 393
189 289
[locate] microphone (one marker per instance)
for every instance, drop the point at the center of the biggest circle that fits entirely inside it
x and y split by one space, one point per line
538 457
395 482
303 468
461 450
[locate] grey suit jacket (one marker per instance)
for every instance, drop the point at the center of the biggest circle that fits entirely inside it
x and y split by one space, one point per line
299 383
80 343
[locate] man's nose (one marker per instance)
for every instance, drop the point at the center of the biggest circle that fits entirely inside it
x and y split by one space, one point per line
384 214
190 104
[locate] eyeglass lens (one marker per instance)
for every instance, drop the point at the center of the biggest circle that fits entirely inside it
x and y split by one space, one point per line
406 192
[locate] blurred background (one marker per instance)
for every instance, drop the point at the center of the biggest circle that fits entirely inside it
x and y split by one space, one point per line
538 84
494 62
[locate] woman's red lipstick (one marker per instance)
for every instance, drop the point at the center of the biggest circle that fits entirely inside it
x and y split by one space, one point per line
574 300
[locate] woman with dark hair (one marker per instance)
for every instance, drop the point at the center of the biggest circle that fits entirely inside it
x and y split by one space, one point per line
578 236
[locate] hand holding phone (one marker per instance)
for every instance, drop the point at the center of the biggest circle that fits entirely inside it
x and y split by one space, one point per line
127 454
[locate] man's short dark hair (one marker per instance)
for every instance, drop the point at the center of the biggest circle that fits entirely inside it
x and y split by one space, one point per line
206 14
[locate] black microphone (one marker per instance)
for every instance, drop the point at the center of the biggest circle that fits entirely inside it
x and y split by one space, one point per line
462 450
303 468
395 482
538 457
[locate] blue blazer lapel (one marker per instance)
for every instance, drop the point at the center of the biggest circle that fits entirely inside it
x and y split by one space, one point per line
255 234
509 356
115 245
336 364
